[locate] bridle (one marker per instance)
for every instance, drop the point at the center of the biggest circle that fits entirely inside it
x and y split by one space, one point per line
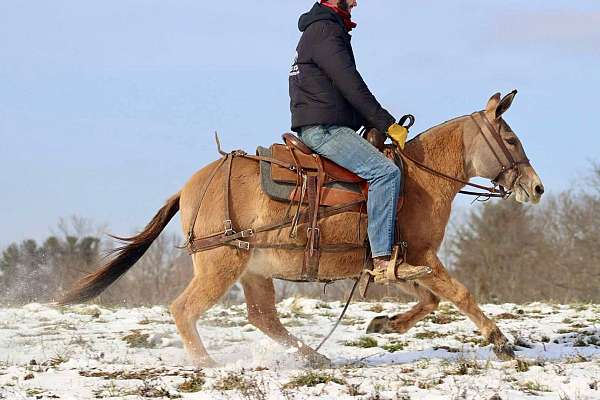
488 131
485 126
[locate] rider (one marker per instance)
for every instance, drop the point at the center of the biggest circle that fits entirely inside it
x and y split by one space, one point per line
329 102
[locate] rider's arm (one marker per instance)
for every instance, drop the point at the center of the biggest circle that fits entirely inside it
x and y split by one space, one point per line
333 56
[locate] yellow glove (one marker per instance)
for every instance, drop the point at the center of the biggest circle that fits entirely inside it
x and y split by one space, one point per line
398 134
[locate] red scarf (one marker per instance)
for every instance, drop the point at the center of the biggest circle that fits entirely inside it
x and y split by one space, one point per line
346 17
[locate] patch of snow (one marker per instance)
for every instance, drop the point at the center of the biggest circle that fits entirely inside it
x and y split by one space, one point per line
89 351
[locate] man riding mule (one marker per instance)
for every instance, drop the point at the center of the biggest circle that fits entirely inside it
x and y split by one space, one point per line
238 229
329 102
439 161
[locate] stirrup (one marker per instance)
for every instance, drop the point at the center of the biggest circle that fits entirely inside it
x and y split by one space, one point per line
394 271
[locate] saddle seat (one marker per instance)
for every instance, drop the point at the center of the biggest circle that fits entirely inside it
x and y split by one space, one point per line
308 159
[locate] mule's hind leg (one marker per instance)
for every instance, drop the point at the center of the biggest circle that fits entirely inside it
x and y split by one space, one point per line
204 291
442 284
428 303
260 300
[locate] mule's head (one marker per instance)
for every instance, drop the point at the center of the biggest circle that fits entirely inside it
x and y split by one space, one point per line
494 151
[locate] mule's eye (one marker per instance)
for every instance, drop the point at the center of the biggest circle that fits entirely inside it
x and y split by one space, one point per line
512 141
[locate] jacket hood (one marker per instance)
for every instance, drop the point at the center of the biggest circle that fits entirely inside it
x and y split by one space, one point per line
317 13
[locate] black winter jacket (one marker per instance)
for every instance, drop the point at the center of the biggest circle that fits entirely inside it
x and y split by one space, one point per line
325 87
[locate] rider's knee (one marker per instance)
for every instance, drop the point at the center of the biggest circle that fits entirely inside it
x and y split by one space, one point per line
387 171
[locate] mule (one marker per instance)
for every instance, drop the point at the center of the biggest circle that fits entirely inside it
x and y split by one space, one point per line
456 148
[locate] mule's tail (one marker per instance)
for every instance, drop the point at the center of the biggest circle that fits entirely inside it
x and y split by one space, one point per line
124 257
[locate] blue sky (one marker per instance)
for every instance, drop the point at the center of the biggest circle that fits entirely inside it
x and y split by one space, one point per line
106 108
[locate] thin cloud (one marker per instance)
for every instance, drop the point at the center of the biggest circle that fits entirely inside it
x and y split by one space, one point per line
569 31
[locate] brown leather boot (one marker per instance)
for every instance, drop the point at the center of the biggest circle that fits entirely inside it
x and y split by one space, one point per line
386 270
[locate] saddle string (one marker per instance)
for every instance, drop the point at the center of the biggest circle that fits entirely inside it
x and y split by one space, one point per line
298 214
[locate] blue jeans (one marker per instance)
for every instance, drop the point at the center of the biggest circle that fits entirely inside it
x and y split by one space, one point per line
345 147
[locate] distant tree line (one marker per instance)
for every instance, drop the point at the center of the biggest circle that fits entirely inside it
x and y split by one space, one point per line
502 251
39 272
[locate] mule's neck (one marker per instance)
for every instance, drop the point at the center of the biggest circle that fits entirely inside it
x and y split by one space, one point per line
442 149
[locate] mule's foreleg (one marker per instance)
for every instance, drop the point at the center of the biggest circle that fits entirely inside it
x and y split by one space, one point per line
401 323
260 300
442 284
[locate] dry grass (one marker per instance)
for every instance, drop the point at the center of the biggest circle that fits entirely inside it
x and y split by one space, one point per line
193 383
364 342
430 335
137 339
463 366
312 378
249 387
393 347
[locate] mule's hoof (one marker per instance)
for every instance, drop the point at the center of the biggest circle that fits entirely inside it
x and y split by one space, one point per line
379 325
318 361
505 351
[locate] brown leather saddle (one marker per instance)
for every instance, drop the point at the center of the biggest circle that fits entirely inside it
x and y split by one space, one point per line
313 176
311 173
306 161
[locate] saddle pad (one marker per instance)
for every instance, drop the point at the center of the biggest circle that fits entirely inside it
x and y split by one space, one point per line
334 194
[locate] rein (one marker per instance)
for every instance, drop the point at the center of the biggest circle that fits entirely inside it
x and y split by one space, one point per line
496 191
492 191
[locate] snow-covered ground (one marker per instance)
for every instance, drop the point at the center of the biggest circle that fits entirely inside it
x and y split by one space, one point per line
83 352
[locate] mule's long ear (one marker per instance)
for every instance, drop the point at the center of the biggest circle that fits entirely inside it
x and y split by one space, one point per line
505 103
492 106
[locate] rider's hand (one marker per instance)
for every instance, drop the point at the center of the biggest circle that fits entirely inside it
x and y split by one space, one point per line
398 134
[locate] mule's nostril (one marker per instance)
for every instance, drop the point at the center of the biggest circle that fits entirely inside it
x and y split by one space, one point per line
539 189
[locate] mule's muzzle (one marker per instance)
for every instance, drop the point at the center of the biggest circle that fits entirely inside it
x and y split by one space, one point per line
536 189
529 192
